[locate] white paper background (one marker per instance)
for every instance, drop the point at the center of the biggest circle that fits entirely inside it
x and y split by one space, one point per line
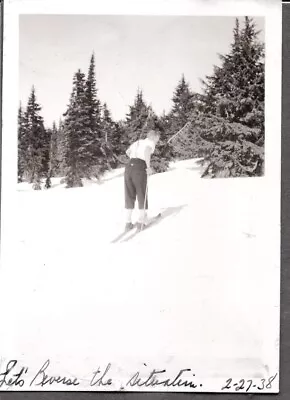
132 332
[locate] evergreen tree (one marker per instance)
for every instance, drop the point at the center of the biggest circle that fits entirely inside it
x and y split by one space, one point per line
184 104
61 145
46 170
107 125
22 145
76 145
136 119
111 138
94 106
120 144
96 160
236 90
234 106
54 162
37 140
47 159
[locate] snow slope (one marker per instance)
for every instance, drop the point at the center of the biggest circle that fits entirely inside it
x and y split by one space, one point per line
199 288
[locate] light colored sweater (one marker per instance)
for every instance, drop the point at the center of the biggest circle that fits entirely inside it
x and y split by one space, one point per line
142 149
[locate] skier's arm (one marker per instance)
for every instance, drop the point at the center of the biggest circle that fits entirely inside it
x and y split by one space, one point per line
148 152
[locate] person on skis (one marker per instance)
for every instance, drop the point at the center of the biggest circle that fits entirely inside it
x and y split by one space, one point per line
135 177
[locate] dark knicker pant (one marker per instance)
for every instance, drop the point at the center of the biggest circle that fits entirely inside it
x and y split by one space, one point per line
136 184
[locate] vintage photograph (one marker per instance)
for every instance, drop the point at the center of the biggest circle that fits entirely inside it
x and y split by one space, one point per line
141 205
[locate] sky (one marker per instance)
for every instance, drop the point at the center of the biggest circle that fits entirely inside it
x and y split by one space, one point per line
131 52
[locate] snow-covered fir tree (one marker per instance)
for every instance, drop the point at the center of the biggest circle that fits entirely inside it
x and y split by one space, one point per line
236 89
76 143
107 124
233 133
54 162
136 119
120 143
22 145
46 170
184 103
96 159
36 142
111 138
61 143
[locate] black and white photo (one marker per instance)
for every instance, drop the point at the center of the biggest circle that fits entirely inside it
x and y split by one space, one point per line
140 229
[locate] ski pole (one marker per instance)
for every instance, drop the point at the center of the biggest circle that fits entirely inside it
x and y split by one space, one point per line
145 200
180 130
177 133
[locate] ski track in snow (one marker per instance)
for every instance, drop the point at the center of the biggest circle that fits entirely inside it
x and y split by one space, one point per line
194 275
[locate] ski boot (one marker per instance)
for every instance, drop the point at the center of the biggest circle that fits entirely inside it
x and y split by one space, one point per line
140 226
128 226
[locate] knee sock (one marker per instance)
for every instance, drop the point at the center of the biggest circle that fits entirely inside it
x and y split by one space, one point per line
142 216
128 216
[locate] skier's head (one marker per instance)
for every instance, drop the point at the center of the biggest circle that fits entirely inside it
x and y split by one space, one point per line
153 135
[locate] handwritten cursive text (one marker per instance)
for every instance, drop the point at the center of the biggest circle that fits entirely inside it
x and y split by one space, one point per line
7 378
100 381
42 379
156 378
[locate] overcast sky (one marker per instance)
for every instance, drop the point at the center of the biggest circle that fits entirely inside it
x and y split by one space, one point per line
134 51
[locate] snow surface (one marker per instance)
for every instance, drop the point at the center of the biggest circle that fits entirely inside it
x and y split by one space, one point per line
197 290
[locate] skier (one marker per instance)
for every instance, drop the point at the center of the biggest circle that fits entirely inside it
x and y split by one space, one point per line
135 179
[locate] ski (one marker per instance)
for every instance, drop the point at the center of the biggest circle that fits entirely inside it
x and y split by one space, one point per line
121 235
134 232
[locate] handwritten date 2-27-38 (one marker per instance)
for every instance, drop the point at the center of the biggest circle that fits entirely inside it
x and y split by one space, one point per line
245 385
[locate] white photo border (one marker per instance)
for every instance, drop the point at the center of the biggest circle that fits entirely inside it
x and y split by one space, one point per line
270 9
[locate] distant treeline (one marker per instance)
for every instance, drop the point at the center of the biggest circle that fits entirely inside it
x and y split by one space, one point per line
224 124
